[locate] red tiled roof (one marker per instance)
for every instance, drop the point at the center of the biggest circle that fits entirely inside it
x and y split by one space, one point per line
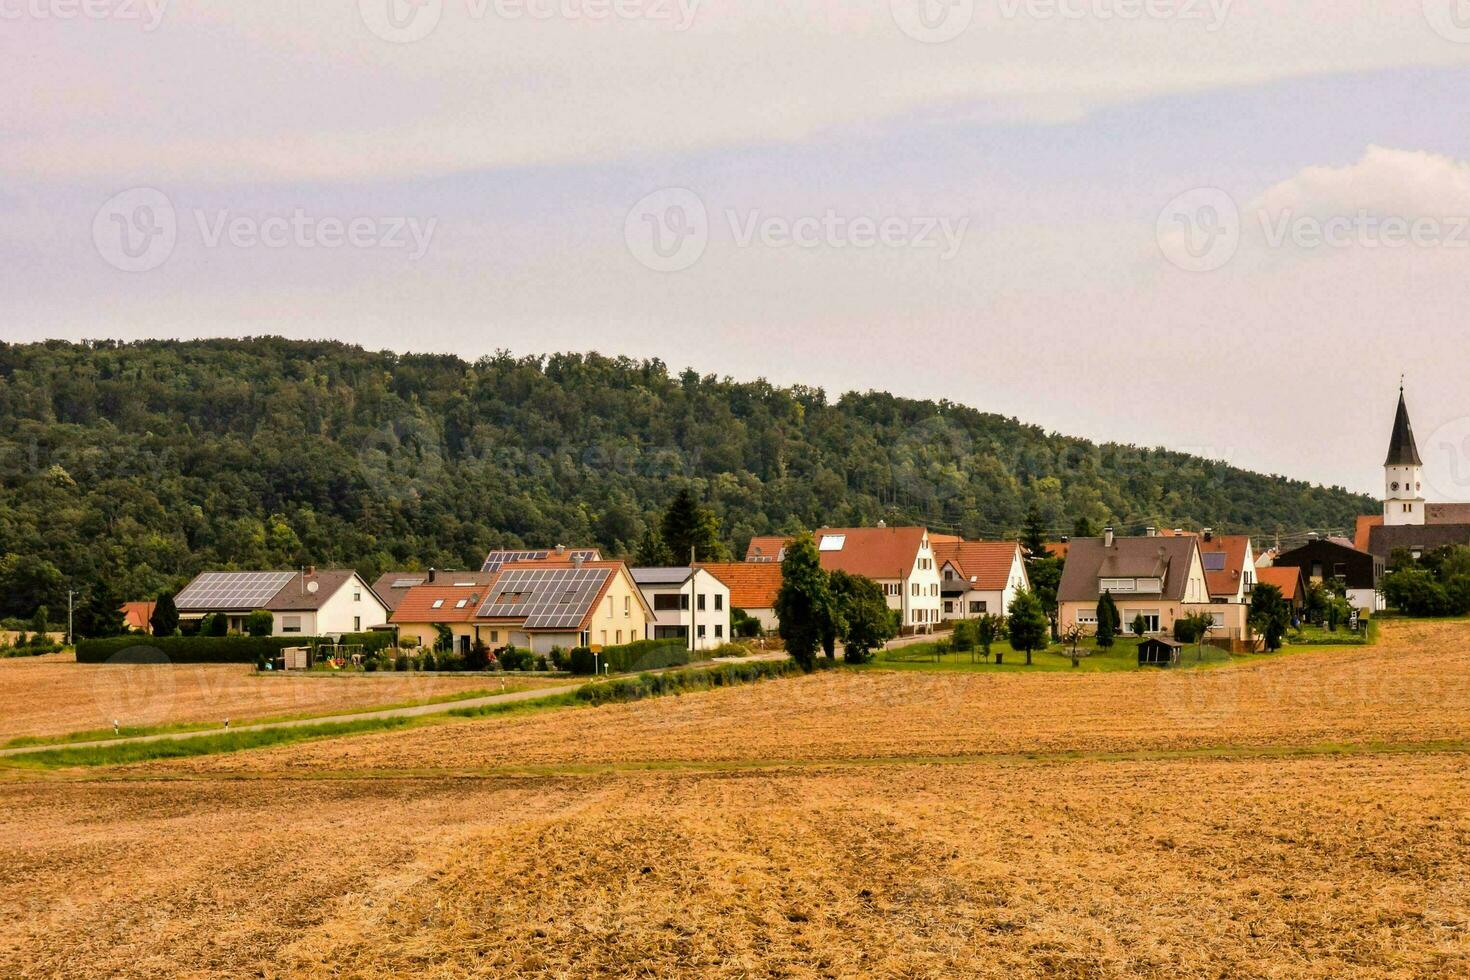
875 552
1364 529
137 614
1287 578
1225 582
417 604
985 564
765 547
1058 549
753 584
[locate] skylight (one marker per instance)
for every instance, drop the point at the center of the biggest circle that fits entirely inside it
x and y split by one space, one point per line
832 542
1214 561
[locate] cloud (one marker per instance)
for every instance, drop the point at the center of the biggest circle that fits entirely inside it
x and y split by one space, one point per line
1403 183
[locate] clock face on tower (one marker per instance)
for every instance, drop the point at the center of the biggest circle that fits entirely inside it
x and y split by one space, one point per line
1394 487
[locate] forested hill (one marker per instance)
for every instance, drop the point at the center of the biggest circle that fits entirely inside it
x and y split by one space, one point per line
146 462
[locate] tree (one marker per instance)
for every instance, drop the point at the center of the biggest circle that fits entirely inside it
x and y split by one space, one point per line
864 618
1084 527
1270 614
1108 621
260 623
687 525
1046 577
1072 637
100 613
804 604
1140 626
1033 536
652 552
1027 624
443 639
989 628
214 624
165 618
478 657
38 621
964 637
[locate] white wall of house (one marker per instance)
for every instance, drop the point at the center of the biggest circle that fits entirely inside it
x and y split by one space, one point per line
353 608
705 606
990 601
918 600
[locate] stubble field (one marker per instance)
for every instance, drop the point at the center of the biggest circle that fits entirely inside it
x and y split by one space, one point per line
844 825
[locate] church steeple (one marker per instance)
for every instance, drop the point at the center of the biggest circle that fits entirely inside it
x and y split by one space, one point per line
1401 448
1403 480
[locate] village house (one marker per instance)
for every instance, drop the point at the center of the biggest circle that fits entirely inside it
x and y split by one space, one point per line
1291 582
1159 578
1335 559
391 587
684 598
540 604
978 577
899 559
311 602
424 609
753 588
1230 575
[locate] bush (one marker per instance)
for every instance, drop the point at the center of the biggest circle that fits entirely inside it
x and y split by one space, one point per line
731 650
427 661
646 655
542 664
679 681
260 623
400 662
558 658
582 661
370 665
194 649
479 656
371 641
514 658
451 661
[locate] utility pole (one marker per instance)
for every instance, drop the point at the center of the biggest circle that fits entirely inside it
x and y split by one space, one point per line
69 594
693 597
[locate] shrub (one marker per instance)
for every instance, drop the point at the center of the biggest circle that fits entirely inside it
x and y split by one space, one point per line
676 682
582 661
400 662
646 655
427 662
260 623
370 665
558 658
479 656
514 658
451 661
193 649
371 641
731 650
542 664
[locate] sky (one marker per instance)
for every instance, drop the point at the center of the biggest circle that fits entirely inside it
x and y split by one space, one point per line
1223 226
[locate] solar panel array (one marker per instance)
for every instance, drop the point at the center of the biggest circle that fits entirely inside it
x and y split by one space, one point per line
496 559
549 598
232 590
406 583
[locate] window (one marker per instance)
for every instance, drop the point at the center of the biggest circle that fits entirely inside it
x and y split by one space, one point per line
436 604
604 637
609 607
670 601
460 604
290 624
719 631
620 636
1339 569
356 595
1087 617
1218 619
832 542
1150 619
1214 561
977 606
627 605
701 631
1119 585
1149 585
891 588
700 603
948 606
719 602
357 624
495 636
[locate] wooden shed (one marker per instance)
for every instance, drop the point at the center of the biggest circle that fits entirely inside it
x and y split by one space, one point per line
1157 651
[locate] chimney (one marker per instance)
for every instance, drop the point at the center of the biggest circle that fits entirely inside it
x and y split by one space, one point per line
1209 534
1178 531
310 570
1151 531
882 523
432 573
1066 539
577 559
1108 536
561 549
1312 536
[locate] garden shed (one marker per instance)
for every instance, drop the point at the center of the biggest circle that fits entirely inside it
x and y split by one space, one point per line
1157 651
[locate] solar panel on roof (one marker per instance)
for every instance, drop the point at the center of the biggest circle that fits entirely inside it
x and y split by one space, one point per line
548 598
232 590
1214 561
499 558
406 583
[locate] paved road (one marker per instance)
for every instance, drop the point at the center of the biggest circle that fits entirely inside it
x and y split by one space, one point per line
416 711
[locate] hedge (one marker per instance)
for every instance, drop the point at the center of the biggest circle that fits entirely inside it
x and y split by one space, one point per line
188 649
646 655
679 681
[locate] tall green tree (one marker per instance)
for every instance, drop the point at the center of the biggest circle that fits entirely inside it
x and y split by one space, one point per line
1084 527
652 552
1033 536
804 605
989 628
689 528
39 623
165 618
1270 614
1027 624
100 613
1108 620
865 620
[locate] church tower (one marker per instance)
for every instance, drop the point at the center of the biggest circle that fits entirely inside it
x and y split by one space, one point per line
1403 498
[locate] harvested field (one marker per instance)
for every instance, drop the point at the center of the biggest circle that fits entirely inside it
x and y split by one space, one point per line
53 695
1304 867
794 828
1413 687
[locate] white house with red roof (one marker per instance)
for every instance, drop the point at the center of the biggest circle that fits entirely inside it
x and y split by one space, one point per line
900 559
979 577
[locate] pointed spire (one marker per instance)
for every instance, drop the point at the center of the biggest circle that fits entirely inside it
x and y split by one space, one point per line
1401 448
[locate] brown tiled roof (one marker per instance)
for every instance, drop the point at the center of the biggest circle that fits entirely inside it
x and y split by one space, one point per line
1383 541
1287 578
765 547
986 565
137 614
1225 582
391 597
417 603
1141 557
1446 514
295 596
875 552
1366 524
753 584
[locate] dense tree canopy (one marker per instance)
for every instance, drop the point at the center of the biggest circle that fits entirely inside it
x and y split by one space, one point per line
144 463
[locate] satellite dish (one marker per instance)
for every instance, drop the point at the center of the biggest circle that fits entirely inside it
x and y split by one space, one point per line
313 586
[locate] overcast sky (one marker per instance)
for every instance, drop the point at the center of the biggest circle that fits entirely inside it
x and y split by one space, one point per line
1223 227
